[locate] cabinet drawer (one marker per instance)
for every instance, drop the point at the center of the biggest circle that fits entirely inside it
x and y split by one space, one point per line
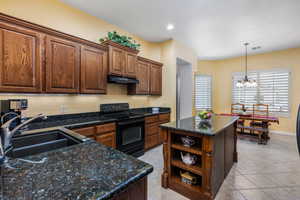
152 129
111 127
108 139
164 118
151 141
87 131
152 119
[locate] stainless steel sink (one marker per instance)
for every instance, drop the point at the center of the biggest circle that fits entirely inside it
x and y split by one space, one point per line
36 143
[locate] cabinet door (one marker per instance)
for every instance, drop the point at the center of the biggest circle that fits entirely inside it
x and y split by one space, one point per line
116 61
123 196
93 71
108 139
20 59
86 131
143 75
62 66
138 191
155 80
130 65
151 141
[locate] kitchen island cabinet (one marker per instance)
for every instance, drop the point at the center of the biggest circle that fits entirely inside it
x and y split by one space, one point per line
213 143
84 171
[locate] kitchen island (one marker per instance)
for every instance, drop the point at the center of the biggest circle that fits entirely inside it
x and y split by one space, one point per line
211 143
84 171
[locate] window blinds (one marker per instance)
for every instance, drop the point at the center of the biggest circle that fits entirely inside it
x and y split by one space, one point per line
272 89
203 90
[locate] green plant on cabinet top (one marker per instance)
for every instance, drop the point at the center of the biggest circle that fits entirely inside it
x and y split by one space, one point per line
122 40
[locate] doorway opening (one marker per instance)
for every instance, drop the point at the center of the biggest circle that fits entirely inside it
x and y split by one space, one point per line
184 89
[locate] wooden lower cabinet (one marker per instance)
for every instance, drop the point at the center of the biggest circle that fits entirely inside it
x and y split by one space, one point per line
153 136
104 134
108 139
136 191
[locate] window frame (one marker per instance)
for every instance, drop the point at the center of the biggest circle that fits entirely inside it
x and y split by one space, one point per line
211 91
288 70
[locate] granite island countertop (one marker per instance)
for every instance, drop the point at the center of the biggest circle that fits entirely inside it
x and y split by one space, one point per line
208 127
85 171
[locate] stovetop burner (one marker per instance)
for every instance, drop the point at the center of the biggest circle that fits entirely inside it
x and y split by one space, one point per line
119 111
123 115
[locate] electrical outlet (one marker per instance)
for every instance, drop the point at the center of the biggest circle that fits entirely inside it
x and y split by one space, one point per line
63 109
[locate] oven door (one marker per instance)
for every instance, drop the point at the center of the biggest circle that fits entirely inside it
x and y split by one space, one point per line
131 135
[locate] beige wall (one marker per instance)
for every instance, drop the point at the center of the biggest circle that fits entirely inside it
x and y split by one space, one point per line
170 50
221 71
56 15
59 16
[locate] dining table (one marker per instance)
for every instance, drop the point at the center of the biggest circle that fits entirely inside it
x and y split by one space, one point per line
265 120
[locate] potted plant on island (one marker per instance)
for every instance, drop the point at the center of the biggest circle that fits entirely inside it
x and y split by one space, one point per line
121 39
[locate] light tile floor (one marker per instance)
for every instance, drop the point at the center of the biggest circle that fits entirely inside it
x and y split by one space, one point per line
264 172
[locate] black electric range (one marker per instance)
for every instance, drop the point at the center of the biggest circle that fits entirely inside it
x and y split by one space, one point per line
130 134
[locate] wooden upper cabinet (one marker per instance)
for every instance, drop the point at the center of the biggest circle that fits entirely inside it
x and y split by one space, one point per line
149 74
62 66
116 61
155 79
20 59
93 70
122 60
143 75
130 64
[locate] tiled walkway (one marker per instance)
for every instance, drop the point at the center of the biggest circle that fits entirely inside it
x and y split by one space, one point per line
270 172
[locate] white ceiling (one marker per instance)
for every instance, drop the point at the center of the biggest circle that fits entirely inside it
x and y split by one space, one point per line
215 29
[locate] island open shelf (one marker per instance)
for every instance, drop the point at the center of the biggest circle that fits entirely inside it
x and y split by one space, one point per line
214 148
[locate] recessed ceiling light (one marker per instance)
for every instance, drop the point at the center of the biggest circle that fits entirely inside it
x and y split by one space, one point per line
170 27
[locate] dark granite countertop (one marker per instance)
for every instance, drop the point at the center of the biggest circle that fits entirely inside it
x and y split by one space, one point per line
85 119
195 125
148 111
84 171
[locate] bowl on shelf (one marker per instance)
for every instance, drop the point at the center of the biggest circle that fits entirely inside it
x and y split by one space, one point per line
188 158
187 141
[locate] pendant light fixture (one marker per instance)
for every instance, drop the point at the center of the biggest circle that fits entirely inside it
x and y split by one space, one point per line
246 82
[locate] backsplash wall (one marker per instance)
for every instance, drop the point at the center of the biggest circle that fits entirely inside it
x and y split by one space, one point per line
52 104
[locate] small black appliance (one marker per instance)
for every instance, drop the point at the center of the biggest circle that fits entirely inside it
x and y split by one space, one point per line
10 108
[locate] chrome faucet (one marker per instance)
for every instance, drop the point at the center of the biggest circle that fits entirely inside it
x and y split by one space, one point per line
6 114
8 134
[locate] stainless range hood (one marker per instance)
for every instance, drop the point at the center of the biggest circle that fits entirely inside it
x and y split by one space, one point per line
121 80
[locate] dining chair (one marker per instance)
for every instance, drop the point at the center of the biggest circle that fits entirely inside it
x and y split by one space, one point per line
238 108
260 110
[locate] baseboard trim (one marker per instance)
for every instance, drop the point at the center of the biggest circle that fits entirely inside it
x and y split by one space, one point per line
283 133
